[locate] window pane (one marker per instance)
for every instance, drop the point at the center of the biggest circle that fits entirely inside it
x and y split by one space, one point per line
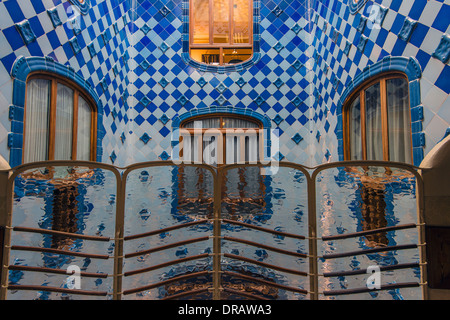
37 120
232 56
203 123
221 10
238 123
64 123
208 56
241 23
84 130
355 130
374 137
201 21
399 120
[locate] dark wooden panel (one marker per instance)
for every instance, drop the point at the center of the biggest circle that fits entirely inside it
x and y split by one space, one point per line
438 257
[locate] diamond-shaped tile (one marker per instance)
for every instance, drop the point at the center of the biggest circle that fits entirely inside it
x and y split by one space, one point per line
259 100
279 156
145 29
163 47
328 155
164 119
145 101
145 138
122 137
278 119
277 11
182 100
201 82
241 82
144 64
221 88
164 11
278 83
164 156
221 100
297 64
296 28
113 156
297 138
318 136
278 47
163 82
297 101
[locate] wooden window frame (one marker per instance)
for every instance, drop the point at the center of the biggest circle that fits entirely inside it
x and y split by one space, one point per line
220 46
359 93
223 132
78 91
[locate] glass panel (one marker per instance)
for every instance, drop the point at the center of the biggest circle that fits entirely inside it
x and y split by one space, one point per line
37 120
232 56
82 202
221 10
354 199
399 122
277 202
374 137
64 123
203 123
201 21
157 198
208 56
84 130
238 123
241 21
355 130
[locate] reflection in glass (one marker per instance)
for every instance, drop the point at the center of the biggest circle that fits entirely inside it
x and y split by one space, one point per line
200 21
221 10
241 32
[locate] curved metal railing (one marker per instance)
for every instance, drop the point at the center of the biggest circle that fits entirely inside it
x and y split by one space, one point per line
218 222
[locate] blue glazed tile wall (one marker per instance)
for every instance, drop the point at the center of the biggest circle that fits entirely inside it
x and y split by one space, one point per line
131 53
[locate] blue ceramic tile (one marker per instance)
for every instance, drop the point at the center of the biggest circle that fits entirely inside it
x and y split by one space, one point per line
442 52
26 32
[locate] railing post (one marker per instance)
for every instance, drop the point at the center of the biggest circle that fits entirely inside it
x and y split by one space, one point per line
119 236
5 203
217 235
312 233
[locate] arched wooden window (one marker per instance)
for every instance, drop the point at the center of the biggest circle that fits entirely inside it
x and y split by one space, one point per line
221 31
221 139
377 121
59 121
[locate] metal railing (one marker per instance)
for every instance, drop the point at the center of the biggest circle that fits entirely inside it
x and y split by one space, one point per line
216 287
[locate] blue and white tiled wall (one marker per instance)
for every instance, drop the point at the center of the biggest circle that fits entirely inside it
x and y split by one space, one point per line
311 53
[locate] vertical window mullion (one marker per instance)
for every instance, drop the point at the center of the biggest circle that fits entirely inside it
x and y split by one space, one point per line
384 119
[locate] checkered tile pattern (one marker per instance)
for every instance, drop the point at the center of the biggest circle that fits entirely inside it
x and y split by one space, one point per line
344 44
273 86
131 52
93 44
